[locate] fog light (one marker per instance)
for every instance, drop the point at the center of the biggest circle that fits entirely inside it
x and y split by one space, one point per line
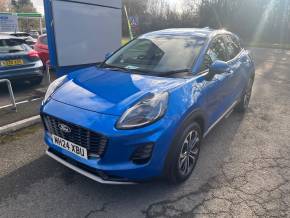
142 154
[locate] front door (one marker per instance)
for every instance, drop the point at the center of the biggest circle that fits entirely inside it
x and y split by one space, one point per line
216 90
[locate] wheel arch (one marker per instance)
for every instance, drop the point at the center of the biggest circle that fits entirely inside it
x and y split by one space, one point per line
196 115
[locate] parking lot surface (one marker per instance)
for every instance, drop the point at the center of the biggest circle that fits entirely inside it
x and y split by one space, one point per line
27 97
22 91
243 170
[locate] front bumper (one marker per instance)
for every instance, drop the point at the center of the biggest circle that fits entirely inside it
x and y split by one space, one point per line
116 162
85 173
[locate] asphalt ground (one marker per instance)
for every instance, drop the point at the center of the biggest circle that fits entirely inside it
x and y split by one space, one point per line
22 91
27 97
243 170
29 109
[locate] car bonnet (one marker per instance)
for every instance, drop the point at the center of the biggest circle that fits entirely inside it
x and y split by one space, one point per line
110 92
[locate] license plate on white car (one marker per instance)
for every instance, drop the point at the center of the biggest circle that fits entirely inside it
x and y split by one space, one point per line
69 146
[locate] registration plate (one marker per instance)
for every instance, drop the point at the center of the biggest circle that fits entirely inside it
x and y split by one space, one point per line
11 62
69 146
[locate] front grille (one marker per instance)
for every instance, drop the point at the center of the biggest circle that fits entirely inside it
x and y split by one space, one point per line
95 143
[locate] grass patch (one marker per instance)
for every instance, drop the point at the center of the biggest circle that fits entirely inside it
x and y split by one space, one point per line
19 134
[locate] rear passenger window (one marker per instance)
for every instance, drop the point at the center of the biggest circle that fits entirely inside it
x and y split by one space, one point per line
216 51
233 47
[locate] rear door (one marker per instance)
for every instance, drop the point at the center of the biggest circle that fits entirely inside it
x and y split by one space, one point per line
235 74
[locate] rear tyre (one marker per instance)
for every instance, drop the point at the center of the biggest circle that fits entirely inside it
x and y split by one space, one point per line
184 154
245 99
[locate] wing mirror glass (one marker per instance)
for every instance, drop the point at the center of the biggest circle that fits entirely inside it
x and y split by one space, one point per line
217 67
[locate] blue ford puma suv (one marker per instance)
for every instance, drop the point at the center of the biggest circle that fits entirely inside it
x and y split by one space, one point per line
144 111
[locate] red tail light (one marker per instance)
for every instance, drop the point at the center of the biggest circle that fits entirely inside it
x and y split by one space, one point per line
33 54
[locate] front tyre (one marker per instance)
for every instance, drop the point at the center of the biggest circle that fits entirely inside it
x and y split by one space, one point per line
184 154
245 99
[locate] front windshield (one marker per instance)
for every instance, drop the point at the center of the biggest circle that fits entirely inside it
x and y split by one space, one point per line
158 54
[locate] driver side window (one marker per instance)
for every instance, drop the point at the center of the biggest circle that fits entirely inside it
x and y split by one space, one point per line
216 51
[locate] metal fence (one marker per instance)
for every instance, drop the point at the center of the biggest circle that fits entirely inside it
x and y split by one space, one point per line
11 93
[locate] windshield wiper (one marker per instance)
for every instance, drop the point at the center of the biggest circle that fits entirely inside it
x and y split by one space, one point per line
114 68
168 73
123 69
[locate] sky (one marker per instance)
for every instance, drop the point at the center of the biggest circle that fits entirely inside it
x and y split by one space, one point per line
177 5
38 4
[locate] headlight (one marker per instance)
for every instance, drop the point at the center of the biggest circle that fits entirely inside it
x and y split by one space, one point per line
53 86
147 111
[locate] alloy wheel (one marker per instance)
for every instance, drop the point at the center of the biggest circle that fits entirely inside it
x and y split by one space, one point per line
189 153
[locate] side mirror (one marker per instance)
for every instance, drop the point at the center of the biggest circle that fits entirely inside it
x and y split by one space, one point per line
217 67
108 55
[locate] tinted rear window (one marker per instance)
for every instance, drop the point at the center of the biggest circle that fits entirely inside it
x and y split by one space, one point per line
12 45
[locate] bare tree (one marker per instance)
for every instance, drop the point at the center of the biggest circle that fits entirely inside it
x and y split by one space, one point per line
158 14
253 20
23 6
5 5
